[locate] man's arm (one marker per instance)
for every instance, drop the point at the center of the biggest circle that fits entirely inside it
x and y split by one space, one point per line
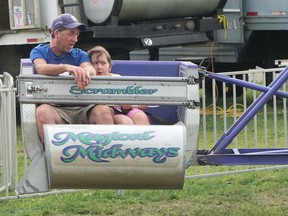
43 68
81 75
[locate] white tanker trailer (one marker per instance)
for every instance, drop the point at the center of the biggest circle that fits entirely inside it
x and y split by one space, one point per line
119 25
129 11
134 24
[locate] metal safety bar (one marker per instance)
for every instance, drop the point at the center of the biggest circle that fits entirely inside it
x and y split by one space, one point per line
107 90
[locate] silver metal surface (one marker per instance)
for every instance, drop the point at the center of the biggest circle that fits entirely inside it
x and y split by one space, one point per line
108 90
115 156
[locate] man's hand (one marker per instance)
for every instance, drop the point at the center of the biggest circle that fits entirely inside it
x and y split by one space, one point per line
81 75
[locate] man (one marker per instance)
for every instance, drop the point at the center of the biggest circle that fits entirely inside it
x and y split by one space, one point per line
60 57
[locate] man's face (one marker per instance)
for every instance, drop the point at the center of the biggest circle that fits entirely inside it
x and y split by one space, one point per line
66 39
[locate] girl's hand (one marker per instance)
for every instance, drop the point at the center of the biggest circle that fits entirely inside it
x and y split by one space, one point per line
142 107
129 107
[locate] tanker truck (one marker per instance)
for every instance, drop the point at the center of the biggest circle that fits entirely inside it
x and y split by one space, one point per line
255 35
119 25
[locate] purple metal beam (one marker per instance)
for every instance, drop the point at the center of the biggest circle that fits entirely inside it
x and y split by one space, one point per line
223 159
256 156
249 114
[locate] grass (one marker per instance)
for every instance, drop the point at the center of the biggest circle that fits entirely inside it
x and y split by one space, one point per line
258 193
253 193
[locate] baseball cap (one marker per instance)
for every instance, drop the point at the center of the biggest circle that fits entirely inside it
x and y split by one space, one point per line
67 21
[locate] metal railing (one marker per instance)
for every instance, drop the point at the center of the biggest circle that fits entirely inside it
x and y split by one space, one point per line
8 144
222 108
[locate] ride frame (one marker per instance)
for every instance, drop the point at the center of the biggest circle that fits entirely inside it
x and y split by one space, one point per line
34 89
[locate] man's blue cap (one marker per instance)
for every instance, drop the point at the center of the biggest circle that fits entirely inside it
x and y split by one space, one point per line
67 21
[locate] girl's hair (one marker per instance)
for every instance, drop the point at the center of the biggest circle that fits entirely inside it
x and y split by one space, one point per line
99 50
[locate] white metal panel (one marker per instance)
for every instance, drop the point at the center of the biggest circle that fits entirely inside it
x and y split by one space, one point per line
49 11
113 156
234 32
266 7
271 15
24 37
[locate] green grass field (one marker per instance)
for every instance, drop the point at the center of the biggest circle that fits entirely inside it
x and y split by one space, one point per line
260 193
257 193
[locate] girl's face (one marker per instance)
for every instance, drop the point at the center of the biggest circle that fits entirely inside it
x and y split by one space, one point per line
101 65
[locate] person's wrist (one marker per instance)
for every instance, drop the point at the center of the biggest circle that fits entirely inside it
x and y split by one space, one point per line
66 67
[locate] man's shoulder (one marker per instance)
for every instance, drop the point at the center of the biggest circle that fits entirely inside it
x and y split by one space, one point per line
79 56
78 51
40 51
42 46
